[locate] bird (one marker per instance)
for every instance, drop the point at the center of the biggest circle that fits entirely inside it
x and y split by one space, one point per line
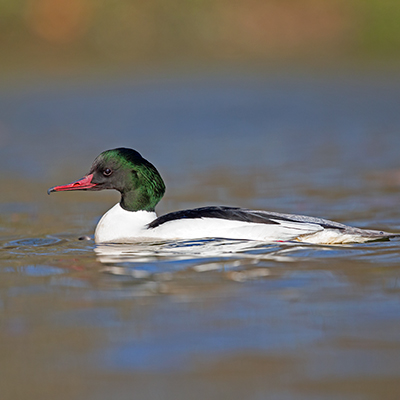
141 187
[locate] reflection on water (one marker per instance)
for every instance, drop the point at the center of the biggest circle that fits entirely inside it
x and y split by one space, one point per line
233 314
216 319
180 249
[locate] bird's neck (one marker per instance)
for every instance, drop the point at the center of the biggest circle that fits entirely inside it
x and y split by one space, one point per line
143 198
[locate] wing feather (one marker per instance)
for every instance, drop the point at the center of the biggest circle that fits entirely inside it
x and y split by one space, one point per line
245 215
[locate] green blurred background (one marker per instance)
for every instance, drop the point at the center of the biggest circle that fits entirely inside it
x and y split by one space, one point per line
65 36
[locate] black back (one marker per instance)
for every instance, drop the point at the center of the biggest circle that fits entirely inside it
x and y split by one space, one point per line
240 214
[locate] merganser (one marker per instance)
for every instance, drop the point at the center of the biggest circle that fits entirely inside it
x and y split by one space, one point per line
142 187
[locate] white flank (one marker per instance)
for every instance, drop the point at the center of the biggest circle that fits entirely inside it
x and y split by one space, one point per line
120 226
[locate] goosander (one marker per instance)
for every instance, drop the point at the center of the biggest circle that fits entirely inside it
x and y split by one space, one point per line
142 187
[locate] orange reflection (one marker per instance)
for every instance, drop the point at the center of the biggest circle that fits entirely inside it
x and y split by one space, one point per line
58 21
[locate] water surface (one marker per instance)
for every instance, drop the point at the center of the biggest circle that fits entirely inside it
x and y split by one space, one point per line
214 319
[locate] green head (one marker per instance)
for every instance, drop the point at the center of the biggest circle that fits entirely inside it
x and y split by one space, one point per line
125 170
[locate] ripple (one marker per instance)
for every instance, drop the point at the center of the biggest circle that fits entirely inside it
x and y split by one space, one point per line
32 242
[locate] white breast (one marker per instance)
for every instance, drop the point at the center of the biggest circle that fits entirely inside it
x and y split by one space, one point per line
119 226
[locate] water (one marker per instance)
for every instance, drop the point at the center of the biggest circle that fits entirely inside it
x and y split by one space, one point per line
216 319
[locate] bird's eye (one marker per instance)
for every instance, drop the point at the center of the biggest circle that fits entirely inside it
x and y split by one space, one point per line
107 172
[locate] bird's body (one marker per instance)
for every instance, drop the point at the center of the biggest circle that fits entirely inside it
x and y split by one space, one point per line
119 225
141 187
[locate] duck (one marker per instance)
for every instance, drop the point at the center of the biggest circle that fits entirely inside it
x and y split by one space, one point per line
141 187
